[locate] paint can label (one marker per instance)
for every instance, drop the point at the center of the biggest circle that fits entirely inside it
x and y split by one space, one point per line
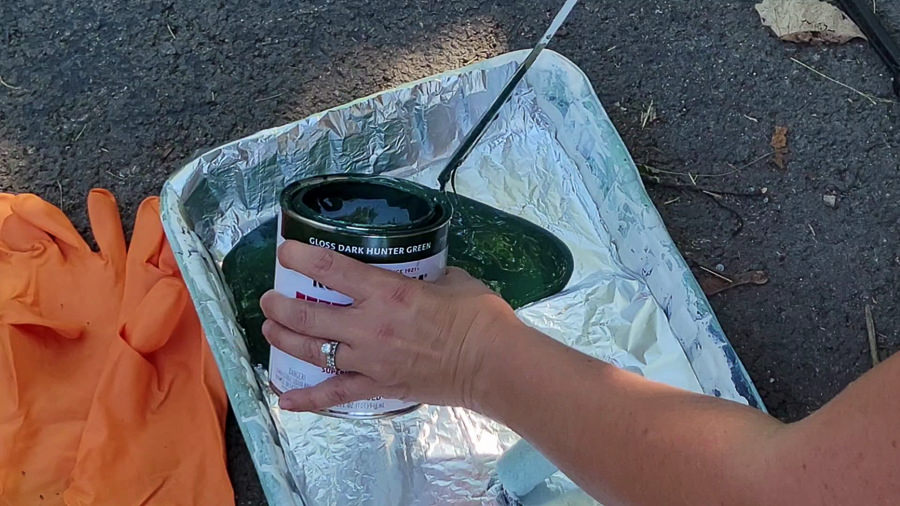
422 259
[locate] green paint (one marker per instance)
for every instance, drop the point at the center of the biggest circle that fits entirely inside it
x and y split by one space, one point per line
521 261
516 258
364 203
360 202
249 270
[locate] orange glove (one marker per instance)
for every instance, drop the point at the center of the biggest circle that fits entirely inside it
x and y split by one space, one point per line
130 408
58 301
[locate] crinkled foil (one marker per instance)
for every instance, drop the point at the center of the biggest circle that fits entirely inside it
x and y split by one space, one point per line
552 157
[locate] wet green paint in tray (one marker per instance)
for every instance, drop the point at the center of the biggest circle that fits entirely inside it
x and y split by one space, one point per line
518 259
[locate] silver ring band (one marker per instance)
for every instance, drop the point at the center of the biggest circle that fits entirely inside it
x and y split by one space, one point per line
329 349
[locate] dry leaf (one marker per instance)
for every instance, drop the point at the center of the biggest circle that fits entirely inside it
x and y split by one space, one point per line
779 144
807 21
713 284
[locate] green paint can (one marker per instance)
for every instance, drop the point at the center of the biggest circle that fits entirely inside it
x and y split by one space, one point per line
390 223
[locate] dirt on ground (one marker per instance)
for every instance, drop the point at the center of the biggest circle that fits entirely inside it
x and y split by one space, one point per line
119 93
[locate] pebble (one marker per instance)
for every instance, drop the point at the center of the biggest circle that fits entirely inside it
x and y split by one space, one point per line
720 267
830 200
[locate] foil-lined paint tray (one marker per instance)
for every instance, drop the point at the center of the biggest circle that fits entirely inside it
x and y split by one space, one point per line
552 157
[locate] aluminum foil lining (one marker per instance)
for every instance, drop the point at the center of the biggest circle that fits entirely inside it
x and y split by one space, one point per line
552 157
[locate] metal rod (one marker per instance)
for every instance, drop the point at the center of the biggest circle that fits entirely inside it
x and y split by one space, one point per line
449 172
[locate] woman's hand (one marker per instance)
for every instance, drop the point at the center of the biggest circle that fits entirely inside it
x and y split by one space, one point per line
401 338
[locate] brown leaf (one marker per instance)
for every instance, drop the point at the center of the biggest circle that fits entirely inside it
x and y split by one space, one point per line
779 144
807 21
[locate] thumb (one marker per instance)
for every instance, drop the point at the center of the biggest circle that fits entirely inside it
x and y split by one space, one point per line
150 324
347 387
16 314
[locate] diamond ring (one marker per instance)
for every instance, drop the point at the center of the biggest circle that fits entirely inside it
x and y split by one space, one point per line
329 349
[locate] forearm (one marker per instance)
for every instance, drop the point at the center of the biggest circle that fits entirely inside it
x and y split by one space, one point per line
621 437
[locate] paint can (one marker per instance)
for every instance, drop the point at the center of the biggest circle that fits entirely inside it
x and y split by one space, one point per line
390 223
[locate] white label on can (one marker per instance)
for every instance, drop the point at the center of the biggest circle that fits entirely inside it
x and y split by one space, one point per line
287 372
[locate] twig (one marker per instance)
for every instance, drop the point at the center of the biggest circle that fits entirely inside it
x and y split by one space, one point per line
268 98
751 118
700 189
716 274
868 97
170 31
672 201
873 340
737 215
688 175
758 158
721 174
79 133
648 115
744 278
120 177
58 185
661 171
7 85
715 195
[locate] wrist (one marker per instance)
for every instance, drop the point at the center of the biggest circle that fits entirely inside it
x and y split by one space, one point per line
504 338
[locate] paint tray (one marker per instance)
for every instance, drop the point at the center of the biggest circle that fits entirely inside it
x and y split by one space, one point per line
552 157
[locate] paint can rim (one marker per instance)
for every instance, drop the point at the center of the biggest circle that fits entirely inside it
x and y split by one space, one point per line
440 215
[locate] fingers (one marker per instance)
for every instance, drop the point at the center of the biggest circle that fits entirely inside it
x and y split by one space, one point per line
106 225
312 319
49 219
148 238
334 391
306 348
339 272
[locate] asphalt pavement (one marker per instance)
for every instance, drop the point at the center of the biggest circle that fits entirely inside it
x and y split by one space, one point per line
118 94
